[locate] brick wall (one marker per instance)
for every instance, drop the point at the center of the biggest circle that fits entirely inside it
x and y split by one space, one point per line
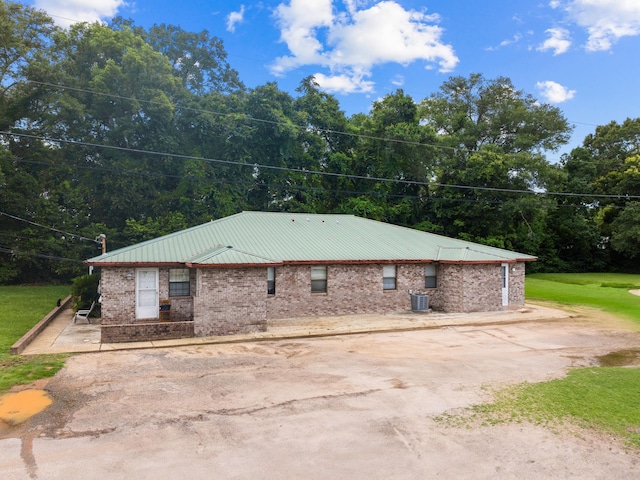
118 295
516 284
482 288
353 289
477 288
350 289
227 301
230 301
137 332
181 307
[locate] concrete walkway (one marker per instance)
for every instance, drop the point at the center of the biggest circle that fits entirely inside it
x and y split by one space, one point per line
63 336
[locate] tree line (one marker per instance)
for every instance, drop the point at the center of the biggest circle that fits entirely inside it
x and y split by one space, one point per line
134 133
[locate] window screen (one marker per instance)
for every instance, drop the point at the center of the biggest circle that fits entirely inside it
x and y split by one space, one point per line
319 279
389 277
271 280
178 282
431 275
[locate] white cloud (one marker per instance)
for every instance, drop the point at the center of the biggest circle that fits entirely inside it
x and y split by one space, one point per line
352 42
558 41
553 92
505 43
606 21
234 18
68 12
298 23
352 5
344 83
398 80
516 38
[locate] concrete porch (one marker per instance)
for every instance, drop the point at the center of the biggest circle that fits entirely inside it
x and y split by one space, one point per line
63 336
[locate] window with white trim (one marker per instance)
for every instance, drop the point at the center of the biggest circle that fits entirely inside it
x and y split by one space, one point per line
389 277
319 279
431 275
179 282
271 280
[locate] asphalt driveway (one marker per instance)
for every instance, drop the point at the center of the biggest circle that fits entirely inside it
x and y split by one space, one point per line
356 406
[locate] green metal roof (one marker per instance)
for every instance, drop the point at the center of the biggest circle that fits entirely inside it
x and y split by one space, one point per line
265 238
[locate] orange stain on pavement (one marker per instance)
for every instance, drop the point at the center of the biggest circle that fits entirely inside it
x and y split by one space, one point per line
17 407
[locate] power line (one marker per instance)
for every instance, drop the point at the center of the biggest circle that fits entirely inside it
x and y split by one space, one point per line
249 117
241 56
272 122
260 185
50 228
311 172
12 251
298 187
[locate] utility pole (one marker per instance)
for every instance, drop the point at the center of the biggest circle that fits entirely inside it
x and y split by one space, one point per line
103 239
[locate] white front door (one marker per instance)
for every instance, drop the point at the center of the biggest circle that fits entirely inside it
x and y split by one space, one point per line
505 284
147 293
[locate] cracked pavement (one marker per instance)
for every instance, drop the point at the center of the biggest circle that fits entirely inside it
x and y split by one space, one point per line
358 406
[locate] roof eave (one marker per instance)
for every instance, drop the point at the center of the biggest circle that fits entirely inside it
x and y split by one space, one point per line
134 264
307 262
484 262
232 265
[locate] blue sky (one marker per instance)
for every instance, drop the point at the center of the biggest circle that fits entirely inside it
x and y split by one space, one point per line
580 55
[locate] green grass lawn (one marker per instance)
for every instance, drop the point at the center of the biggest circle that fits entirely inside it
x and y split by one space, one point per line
601 398
598 398
20 309
607 291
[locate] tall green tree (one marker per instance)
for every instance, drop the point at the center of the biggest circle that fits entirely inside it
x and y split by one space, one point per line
214 129
198 59
625 232
29 190
394 145
474 201
608 164
120 95
473 112
611 144
274 143
326 140
24 37
492 136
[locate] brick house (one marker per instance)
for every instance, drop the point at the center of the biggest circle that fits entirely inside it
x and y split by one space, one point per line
234 274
